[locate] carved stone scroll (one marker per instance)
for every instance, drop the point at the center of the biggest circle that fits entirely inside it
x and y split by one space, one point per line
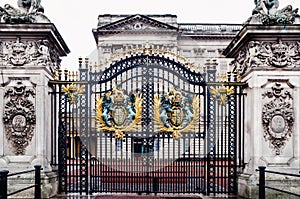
277 117
19 116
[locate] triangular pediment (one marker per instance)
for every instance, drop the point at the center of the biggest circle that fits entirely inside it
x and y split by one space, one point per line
137 22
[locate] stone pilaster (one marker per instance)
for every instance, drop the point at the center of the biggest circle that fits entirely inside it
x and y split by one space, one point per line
267 58
29 54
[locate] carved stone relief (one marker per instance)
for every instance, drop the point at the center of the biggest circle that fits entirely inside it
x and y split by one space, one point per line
268 55
20 53
19 115
277 117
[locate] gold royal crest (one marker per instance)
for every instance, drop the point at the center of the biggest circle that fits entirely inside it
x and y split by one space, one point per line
118 113
176 113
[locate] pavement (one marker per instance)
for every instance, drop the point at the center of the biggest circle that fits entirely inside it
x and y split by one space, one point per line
135 196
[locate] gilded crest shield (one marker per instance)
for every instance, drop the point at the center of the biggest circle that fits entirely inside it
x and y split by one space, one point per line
176 112
118 112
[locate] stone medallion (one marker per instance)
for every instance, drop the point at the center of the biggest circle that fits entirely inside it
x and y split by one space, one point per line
277 117
19 116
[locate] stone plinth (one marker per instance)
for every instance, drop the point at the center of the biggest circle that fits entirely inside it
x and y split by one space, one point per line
267 58
29 54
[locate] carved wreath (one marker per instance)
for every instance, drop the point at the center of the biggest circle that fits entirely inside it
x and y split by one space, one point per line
19 117
277 117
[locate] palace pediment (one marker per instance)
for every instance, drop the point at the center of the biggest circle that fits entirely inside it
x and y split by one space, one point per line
136 23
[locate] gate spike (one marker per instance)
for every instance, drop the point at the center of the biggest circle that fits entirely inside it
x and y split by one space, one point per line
70 75
54 75
66 73
76 75
80 62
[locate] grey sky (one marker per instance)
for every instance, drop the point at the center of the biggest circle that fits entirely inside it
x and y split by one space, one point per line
75 19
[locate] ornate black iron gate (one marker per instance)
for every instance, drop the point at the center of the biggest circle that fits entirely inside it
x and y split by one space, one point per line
147 124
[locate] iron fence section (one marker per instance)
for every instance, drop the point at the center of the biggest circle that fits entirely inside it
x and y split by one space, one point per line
37 183
262 182
204 159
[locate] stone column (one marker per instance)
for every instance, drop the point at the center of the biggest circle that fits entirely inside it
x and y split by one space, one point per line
268 59
29 54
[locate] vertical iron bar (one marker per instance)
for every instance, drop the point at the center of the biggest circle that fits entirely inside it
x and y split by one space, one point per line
262 182
37 178
3 184
232 142
84 127
211 132
62 141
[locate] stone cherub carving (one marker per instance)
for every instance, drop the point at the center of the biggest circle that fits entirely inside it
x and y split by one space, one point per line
267 13
28 11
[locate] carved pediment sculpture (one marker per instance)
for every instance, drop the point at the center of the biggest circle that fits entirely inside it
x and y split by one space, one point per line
266 55
28 11
266 12
136 23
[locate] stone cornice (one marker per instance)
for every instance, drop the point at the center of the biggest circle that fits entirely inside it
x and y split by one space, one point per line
259 47
261 32
36 30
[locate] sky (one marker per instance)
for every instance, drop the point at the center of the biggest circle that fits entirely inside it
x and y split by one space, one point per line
75 19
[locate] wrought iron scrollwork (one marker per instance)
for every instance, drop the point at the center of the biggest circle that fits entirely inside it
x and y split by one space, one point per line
139 60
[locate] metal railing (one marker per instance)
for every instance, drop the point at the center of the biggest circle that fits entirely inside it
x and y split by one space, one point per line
262 182
37 184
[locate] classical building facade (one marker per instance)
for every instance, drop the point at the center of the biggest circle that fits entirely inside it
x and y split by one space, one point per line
115 35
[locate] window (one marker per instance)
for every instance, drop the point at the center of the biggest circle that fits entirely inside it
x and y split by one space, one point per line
186 146
156 145
142 146
118 145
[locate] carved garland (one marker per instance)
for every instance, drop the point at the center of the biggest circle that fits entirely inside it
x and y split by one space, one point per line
19 117
277 117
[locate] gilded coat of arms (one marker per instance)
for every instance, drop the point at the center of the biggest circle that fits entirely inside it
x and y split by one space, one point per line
176 112
118 113
72 93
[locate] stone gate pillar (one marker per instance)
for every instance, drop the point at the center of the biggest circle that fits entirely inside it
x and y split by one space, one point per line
30 51
266 54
